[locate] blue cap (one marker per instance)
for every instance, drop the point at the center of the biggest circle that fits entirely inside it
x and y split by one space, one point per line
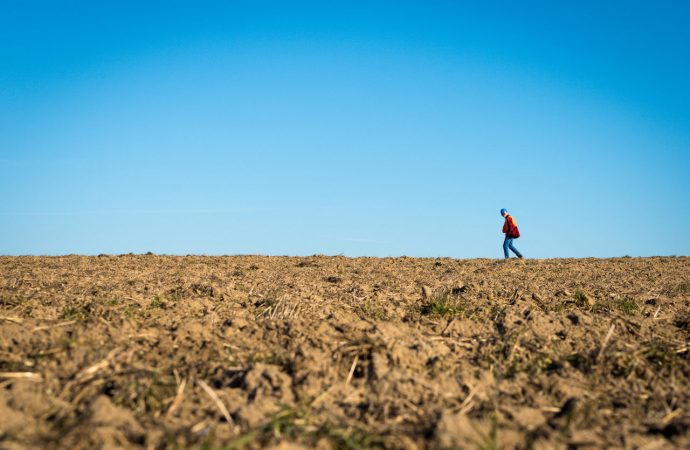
503 211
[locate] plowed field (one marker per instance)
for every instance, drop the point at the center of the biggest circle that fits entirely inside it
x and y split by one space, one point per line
153 352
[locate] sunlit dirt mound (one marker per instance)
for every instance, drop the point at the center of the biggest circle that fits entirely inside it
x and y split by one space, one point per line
160 352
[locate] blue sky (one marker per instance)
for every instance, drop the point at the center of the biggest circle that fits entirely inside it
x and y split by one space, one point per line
361 128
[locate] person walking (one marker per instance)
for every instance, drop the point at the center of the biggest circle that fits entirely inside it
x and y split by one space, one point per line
511 231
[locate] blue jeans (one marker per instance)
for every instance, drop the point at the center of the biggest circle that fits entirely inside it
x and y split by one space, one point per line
508 244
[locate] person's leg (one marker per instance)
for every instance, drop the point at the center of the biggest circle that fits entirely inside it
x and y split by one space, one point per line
519 255
506 243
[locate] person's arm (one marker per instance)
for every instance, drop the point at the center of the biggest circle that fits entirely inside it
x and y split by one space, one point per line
510 225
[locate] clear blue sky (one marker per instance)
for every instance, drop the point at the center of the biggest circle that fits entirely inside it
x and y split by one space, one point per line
362 128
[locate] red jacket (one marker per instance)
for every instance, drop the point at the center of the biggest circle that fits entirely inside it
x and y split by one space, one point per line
510 227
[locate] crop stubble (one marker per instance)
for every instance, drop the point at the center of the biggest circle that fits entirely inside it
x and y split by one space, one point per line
147 351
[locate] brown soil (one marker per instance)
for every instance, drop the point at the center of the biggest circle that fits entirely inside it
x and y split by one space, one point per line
331 352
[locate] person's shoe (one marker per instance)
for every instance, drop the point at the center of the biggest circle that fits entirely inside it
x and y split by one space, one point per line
520 257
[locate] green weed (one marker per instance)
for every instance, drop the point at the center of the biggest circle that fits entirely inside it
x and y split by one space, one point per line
444 305
145 394
81 312
534 365
371 311
582 300
157 303
659 354
130 310
558 307
626 305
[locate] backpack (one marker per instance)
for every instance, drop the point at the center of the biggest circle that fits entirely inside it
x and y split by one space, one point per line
516 233
513 231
